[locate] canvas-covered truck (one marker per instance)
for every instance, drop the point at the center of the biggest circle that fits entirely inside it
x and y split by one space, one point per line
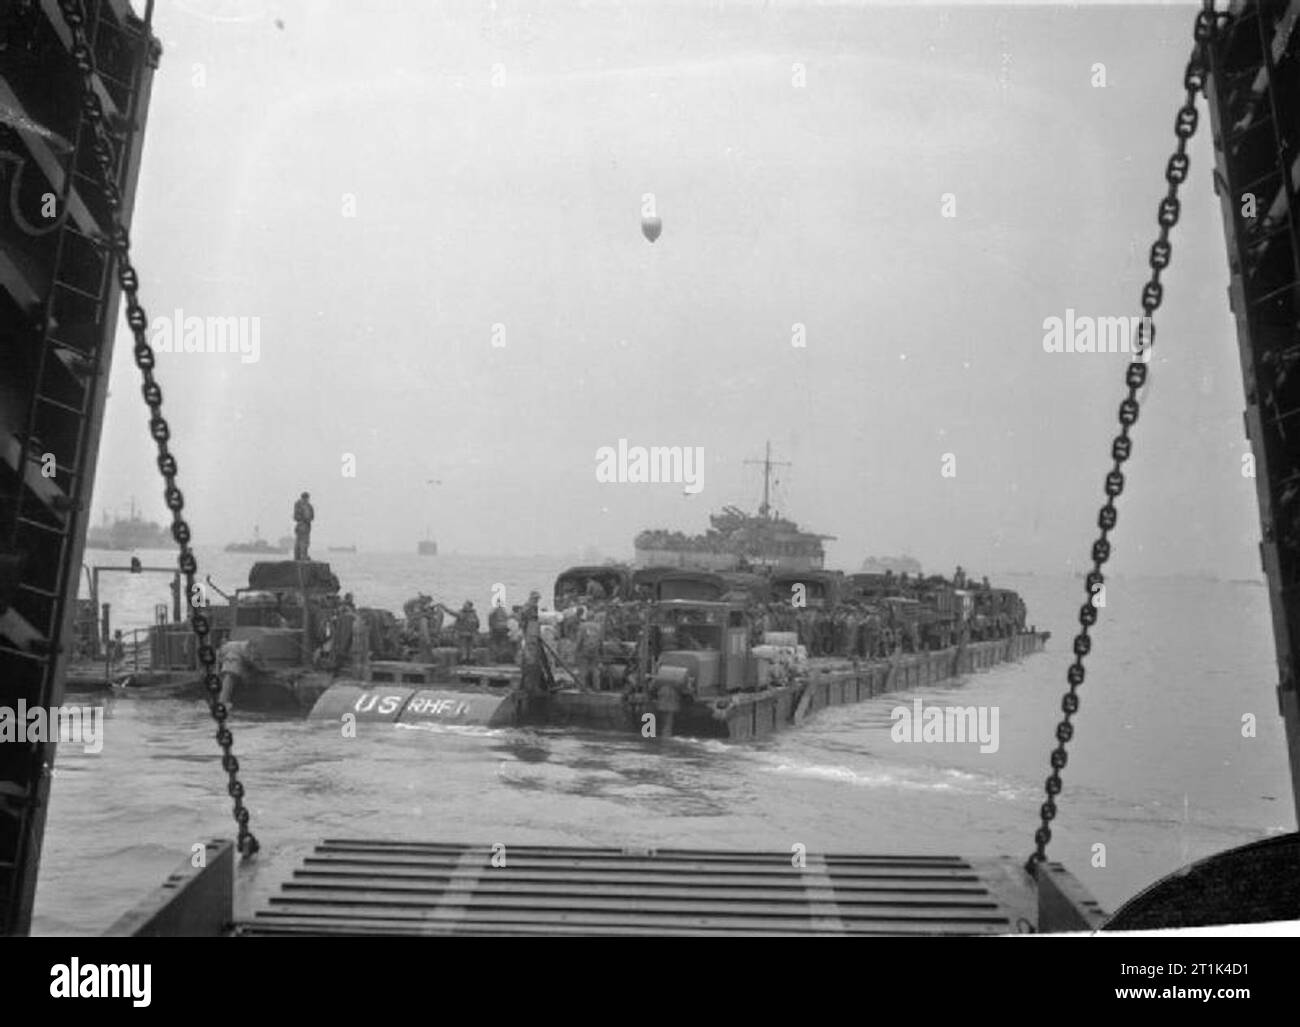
658 584
613 581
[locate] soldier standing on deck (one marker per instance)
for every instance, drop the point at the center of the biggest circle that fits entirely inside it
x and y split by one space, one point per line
499 633
303 515
530 652
360 661
591 634
466 631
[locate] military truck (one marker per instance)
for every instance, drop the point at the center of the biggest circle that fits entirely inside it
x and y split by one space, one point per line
277 624
708 640
615 581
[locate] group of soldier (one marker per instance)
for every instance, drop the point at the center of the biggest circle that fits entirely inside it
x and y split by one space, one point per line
848 629
431 625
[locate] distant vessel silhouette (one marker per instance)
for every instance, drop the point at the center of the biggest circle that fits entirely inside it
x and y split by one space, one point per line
259 545
737 540
133 532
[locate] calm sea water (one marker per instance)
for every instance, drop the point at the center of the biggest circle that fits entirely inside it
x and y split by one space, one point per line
1159 774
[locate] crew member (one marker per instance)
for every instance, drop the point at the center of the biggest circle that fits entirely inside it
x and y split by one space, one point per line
303 515
530 654
529 613
466 631
499 633
591 634
418 612
341 634
359 664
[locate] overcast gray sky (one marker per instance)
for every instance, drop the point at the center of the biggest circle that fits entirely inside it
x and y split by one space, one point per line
798 155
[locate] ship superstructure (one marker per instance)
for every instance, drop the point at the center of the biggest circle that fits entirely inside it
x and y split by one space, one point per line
737 540
127 533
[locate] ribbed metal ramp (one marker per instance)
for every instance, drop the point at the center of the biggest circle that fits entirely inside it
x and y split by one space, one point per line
411 888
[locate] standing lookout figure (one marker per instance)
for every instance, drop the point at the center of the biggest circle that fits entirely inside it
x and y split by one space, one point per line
303 514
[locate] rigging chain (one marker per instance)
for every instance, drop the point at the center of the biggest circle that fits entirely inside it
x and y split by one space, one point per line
1122 446
74 16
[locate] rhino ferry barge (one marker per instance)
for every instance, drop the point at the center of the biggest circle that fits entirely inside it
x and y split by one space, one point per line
660 650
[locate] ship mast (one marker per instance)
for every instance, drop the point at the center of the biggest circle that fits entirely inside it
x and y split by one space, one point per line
768 463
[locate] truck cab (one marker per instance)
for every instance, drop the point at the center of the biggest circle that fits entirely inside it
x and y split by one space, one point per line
709 640
284 608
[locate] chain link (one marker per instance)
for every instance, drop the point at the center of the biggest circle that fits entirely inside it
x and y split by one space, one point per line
1122 446
74 17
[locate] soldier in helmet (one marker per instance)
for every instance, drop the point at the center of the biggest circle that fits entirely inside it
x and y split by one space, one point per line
466 631
591 636
303 515
530 649
499 633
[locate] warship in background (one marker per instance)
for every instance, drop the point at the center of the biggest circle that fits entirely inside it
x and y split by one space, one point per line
258 546
737 540
129 533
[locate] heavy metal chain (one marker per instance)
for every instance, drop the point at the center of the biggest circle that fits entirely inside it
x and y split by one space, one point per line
1122 446
103 150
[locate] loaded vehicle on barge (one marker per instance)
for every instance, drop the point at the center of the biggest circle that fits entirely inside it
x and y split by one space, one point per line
718 653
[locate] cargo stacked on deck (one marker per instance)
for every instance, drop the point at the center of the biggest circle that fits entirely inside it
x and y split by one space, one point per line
58 307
